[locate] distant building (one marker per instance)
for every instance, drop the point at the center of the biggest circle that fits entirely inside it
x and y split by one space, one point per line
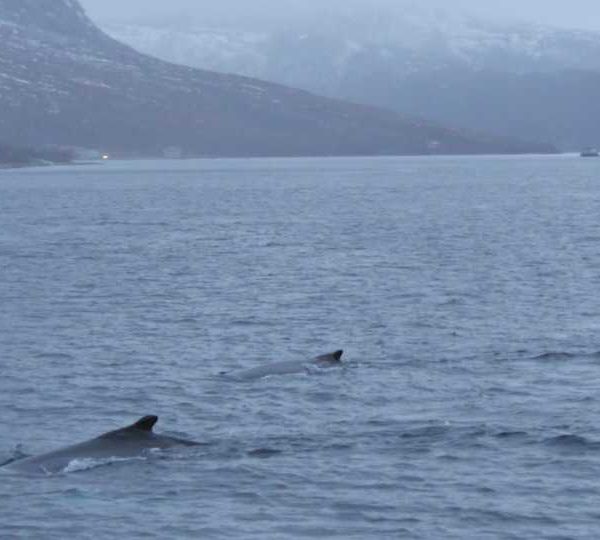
86 154
434 146
173 152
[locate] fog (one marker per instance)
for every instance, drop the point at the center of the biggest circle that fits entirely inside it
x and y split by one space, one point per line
576 13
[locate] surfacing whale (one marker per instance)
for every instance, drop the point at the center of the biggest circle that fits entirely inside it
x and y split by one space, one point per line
323 361
128 442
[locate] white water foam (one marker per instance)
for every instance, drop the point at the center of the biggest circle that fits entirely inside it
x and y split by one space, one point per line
86 464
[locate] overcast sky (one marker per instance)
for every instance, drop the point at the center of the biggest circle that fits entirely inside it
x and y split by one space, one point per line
572 13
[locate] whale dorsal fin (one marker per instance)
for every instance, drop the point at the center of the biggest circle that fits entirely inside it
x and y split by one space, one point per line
329 358
145 423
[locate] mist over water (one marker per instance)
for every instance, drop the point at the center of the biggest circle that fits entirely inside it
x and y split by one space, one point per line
460 288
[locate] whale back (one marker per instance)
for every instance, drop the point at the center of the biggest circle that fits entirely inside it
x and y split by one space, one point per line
287 367
140 433
127 442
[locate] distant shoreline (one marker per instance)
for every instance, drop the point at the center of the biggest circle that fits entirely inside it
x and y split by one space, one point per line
10 166
75 163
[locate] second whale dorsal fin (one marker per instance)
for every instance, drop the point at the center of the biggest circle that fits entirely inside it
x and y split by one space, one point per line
145 423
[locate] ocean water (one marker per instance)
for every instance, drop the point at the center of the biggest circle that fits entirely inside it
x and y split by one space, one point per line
463 291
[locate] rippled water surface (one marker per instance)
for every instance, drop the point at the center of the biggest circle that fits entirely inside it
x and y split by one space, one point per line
464 292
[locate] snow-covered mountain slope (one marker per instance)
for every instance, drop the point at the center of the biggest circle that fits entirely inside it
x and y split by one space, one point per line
63 81
413 43
385 58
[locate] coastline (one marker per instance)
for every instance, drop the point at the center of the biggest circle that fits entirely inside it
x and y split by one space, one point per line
32 165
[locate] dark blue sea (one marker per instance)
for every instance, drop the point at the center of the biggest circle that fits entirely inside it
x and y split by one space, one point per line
464 292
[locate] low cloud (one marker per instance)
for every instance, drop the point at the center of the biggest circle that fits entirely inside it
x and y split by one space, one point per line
575 13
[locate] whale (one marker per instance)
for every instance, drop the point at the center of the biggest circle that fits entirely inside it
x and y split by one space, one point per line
128 442
289 367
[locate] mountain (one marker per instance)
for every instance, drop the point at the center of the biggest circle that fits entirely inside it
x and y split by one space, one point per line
65 82
446 66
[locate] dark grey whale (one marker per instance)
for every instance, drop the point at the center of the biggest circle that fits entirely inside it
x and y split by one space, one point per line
333 359
128 442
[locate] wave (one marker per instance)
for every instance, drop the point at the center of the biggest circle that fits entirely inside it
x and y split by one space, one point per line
264 453
54 356
511 434
573 442
13 455
6 461
555 356
564 355
86 464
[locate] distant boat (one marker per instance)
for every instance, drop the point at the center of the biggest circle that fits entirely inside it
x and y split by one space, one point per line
590 152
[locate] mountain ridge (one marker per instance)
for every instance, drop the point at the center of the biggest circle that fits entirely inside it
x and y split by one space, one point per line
65 82
410 62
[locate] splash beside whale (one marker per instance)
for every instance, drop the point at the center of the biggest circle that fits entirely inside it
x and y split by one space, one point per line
323 361
128 442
